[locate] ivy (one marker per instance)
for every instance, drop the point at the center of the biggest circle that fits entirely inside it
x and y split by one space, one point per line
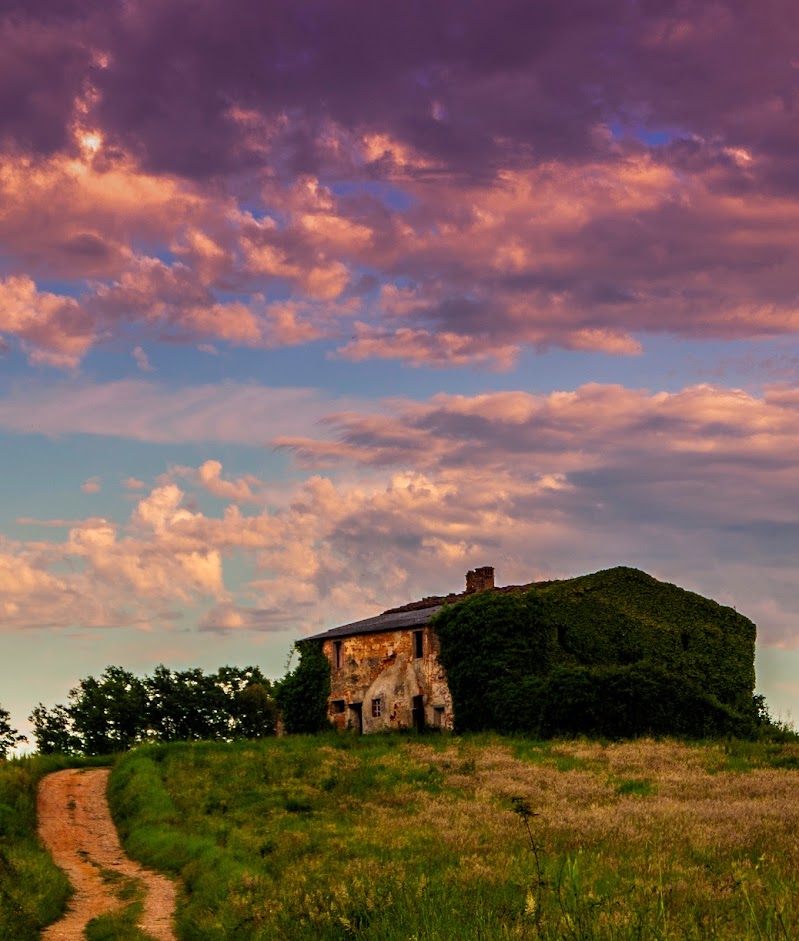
642 699
616 653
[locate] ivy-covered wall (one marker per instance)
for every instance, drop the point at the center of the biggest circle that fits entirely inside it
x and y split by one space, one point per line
614 653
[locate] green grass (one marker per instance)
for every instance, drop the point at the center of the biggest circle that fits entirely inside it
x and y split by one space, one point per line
33 891
117 926
634 787
120 925
401 838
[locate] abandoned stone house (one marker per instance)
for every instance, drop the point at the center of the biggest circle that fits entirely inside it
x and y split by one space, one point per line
384 670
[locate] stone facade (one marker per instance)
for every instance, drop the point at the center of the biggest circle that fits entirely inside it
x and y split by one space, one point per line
384 670
388 680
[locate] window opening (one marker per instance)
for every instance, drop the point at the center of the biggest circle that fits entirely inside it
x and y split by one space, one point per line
418 644
338 705
375 708
337 647
438 717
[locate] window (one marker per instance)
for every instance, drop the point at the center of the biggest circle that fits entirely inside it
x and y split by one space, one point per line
418 644
438 717
337 649
375 708
338 705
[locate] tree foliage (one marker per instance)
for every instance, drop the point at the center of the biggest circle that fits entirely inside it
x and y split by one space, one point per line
302 693
54 731
9 736
117 710
616 653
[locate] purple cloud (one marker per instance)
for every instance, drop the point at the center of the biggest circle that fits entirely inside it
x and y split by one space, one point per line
550 177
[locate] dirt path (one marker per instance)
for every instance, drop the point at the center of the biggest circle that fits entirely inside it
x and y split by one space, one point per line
76 827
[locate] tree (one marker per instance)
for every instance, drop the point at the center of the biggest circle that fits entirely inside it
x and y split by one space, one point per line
9 736
54 731
255 711
302 693
116 710
109 714
186 705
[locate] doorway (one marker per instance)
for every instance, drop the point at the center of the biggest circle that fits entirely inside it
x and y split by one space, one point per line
418 713
357 708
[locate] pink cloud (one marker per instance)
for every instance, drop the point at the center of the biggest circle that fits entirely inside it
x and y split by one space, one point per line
425 348
580 256
142 360
577 431
696 486
92 485
52 329
246 489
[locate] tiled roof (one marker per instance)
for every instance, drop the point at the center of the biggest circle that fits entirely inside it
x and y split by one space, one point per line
415 614
390 621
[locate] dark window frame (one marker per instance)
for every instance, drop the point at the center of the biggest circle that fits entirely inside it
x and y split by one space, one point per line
418 645
337 653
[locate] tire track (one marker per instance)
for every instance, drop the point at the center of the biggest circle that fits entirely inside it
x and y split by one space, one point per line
76 827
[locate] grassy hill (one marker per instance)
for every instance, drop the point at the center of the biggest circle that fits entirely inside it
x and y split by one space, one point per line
396 838
615 653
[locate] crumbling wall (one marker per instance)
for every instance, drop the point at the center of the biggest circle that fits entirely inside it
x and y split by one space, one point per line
381 667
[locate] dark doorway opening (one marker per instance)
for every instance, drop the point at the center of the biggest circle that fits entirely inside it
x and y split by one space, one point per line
357 708
418 713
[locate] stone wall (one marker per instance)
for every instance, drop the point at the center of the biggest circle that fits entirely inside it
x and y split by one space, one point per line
381 672
481 579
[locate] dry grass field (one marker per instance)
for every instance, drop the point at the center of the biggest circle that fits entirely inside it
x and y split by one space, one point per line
426 839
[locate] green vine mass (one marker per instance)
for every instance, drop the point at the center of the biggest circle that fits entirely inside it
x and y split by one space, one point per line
616 653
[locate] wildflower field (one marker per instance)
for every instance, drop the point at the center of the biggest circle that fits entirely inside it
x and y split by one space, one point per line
438 838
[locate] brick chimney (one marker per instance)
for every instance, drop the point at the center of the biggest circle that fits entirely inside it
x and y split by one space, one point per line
481 579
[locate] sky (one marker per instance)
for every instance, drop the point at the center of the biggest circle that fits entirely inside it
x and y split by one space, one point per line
306 308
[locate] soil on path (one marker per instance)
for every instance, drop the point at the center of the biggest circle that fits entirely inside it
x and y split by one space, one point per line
76 827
